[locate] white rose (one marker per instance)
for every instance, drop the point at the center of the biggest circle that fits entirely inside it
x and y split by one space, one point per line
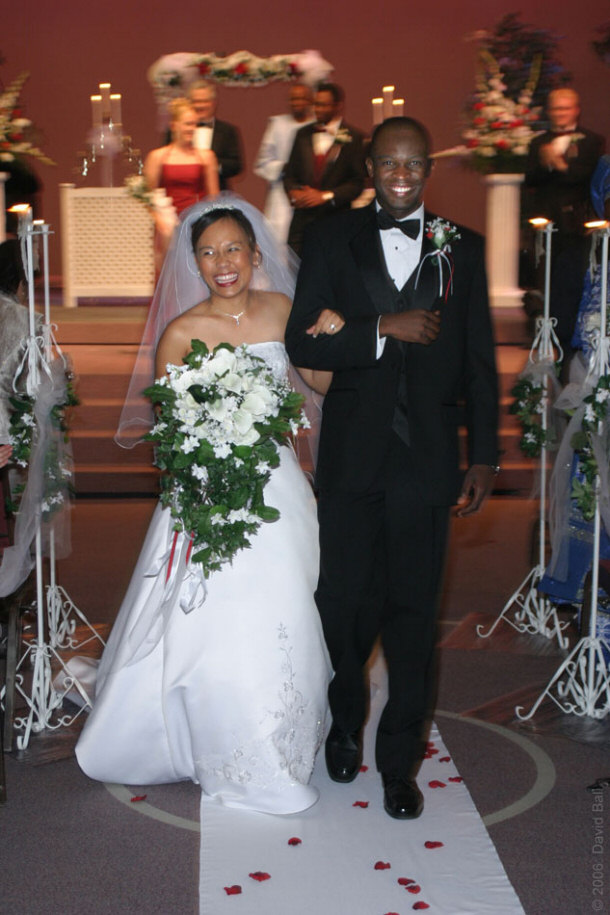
218 409
223 361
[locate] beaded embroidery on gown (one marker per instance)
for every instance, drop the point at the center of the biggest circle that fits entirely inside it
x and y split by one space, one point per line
232 694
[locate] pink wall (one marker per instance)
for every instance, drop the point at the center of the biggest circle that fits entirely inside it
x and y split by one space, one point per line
69 47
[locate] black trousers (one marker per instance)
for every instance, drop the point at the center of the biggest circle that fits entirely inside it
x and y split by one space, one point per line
382 559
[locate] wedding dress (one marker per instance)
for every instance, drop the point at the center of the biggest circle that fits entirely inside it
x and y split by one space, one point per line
233 693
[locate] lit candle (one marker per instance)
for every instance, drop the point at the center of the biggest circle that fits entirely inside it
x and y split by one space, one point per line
377 104
105 94
398 107
96 110
388 95
115 109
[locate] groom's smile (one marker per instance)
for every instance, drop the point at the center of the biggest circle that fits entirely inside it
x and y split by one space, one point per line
399 166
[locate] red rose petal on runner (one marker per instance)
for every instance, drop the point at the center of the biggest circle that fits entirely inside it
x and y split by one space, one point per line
260 876
405 881
138 797
436 784
294 841
234 890
444 759
421 905
456 778
382 865
362 804
364 769
431 844
416 888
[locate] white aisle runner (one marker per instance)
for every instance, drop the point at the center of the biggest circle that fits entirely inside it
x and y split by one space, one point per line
346 856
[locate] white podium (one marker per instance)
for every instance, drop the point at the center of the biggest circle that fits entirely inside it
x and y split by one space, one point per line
106 244
502 231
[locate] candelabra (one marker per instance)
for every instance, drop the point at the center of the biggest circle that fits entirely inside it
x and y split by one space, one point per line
42 697
527 610
106 141
581 684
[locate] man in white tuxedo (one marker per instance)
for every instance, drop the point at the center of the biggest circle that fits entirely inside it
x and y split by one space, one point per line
274 152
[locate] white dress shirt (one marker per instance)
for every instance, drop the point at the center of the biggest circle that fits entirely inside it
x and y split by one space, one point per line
402 255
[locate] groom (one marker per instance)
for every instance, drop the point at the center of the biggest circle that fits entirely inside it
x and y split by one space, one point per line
416 347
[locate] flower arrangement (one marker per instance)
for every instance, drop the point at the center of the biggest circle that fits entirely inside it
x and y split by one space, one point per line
584 482
17 134
57 466
500 129
221 419
171 75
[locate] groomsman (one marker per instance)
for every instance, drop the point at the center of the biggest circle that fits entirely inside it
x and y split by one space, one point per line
415 348
273 154
325 171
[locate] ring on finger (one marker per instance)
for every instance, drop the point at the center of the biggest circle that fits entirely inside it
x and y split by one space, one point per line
333 327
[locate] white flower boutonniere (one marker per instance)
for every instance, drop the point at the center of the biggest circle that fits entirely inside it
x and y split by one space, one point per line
343 136
442 233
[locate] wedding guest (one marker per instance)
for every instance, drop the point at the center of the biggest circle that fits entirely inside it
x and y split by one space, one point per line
325 171
416 342
273 154
187 174
557 178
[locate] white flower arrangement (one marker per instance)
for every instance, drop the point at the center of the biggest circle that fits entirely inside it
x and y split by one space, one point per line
16 132
221 419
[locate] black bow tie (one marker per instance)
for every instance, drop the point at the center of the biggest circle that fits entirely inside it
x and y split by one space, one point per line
205 123
408 227
561 133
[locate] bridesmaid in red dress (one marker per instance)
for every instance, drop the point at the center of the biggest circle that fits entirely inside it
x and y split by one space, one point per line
187 174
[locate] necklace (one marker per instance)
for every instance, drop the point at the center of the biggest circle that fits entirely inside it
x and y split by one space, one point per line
227 314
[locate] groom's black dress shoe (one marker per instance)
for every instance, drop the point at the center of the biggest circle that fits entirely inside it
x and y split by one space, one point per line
343 755
402 799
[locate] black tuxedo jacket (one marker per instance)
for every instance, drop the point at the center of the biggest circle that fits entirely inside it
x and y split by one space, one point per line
344 174
343 268
563 197
226 145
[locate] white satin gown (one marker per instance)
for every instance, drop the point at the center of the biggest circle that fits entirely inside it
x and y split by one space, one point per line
232 694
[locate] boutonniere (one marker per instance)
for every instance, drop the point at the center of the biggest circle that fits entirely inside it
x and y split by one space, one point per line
343 136
572 150
441 233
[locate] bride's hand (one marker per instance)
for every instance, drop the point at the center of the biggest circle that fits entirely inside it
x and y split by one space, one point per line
329 322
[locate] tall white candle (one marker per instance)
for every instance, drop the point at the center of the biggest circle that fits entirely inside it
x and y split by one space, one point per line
398 107
377 104
388 95
96 110
105 94
115 109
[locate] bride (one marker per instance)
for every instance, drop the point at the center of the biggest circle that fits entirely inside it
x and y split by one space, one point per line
232 694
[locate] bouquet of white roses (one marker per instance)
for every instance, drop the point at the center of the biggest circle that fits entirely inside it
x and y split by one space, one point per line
221 419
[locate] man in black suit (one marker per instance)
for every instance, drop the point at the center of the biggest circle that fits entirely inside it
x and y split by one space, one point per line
325 171
417 342
219 136
558 174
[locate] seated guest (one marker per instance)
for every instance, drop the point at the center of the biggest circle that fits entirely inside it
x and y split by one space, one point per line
273 154
186 174
325 171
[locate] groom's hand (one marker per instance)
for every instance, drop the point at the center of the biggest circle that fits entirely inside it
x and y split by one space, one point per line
416 326
478 484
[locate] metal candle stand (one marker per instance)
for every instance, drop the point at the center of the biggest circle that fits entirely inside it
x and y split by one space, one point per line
44 699
581 685
527 610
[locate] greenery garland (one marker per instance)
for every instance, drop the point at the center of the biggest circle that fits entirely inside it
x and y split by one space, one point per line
584 482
